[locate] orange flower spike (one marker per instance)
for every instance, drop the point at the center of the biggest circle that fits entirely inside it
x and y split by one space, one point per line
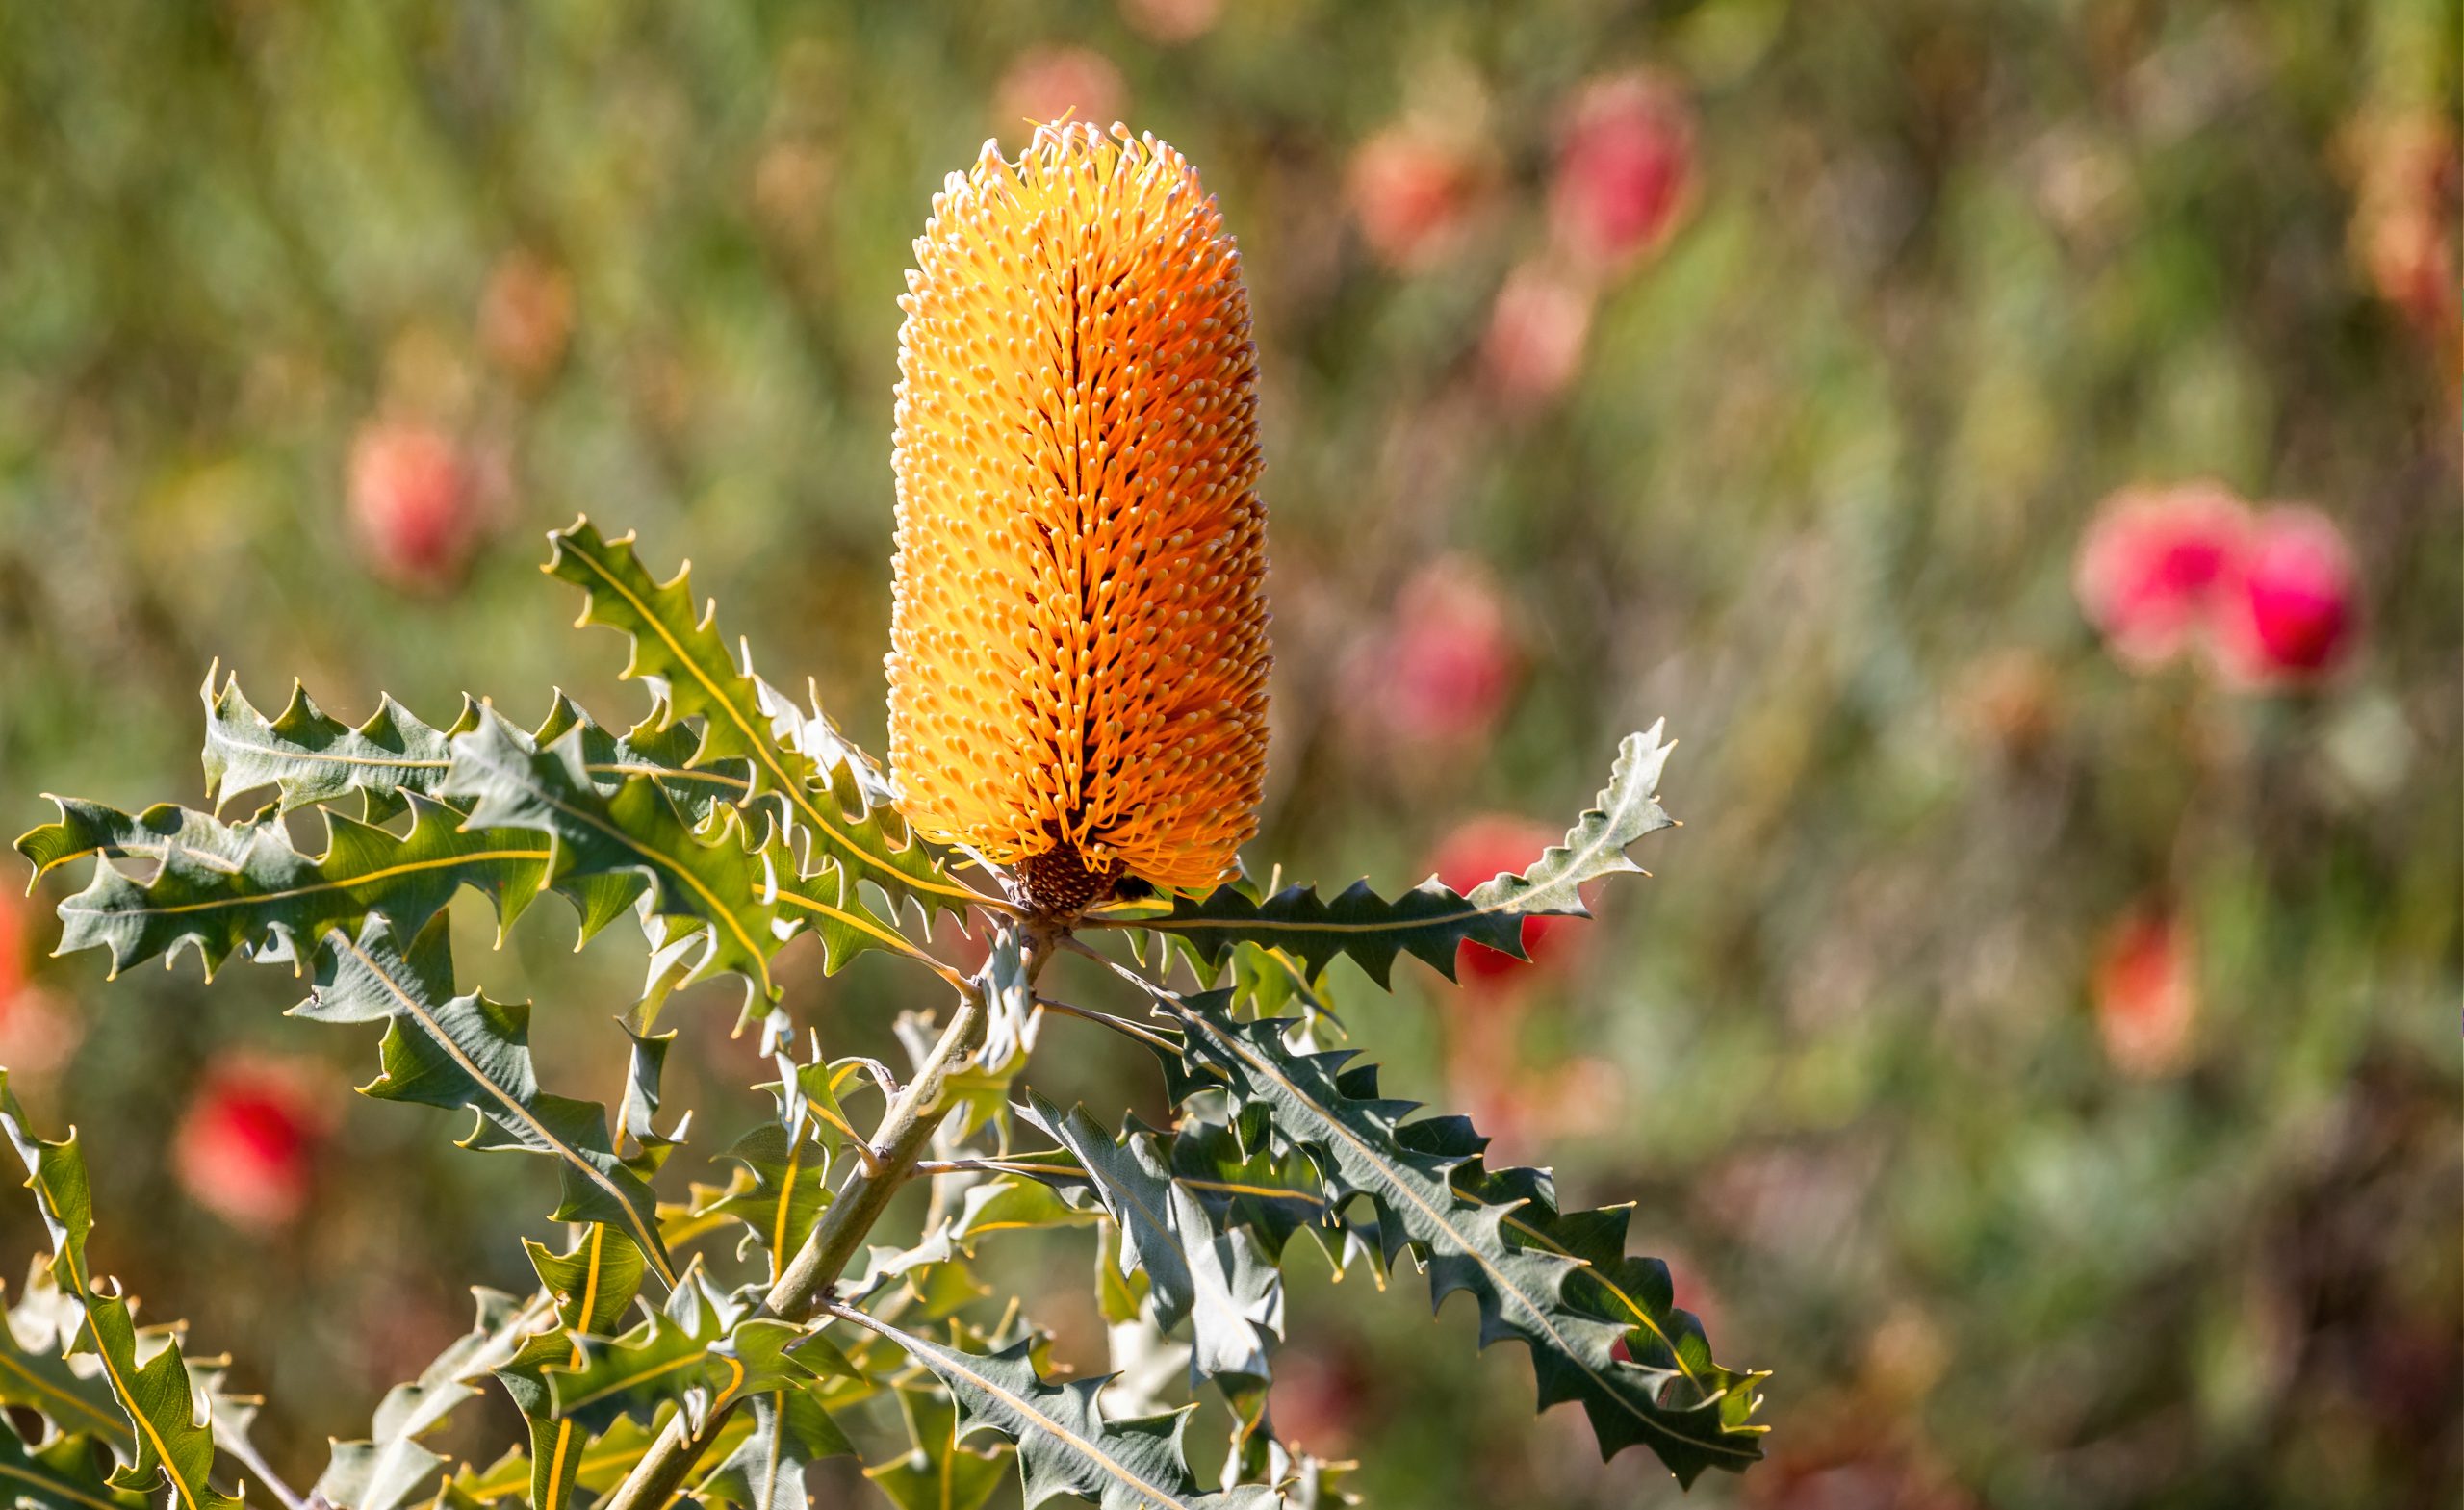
1078 661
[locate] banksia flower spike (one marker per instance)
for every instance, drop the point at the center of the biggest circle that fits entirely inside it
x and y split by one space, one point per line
1078 662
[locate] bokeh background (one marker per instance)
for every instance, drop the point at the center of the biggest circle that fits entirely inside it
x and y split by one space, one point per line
2015 445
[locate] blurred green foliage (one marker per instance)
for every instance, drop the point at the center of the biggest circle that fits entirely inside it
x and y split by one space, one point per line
1950 273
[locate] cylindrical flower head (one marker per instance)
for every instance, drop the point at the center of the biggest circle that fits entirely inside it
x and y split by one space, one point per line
1078 644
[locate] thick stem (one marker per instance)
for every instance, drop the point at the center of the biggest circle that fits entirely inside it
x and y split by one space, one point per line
803 1285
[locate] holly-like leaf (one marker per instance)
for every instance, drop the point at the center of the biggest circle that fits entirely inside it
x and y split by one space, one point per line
450 1051
595 1467
817 783
269 900
1022 1202
310 757
1066 1445
88 828
939 1472
714 885
766 1469
36 1376
392 1468
1222 1280
58 1472
591 1287
1540 1293
168 1444
786 1189
702 1352
1246 1183
1431 921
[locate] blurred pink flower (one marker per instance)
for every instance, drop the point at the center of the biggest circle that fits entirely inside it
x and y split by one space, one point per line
2152 564
1047 83
1624 170
1411 190
526 316
1442 667
1537 329
246 1147
1171 20
2290 614
2145 989
414 502
1476 851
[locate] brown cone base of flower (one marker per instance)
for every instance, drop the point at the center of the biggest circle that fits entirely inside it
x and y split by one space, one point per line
1059 882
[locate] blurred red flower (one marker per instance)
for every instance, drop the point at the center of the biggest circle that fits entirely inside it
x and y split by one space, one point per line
1479 850
414 502
246 1148
1047 83
2152 564
1411 190
37 1034
1537 329
2145 989
1624 170
2290 614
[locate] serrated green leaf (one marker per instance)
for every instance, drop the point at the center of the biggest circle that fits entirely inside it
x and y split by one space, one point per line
766 1469
1431 921
713 885
309 757
787 1192
1220 1281
1019 1203
60 1472
271 899
1524 1290
391 1467
167 1442
811 779
1066 1445
592 1286
88 828
456 1052
35 1376
595 1469
938 1471
1256 1189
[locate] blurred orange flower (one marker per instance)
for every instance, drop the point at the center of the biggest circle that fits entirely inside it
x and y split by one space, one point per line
526 314
1411 191
2146 991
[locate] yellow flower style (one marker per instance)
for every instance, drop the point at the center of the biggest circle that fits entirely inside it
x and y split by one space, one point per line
1078 662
